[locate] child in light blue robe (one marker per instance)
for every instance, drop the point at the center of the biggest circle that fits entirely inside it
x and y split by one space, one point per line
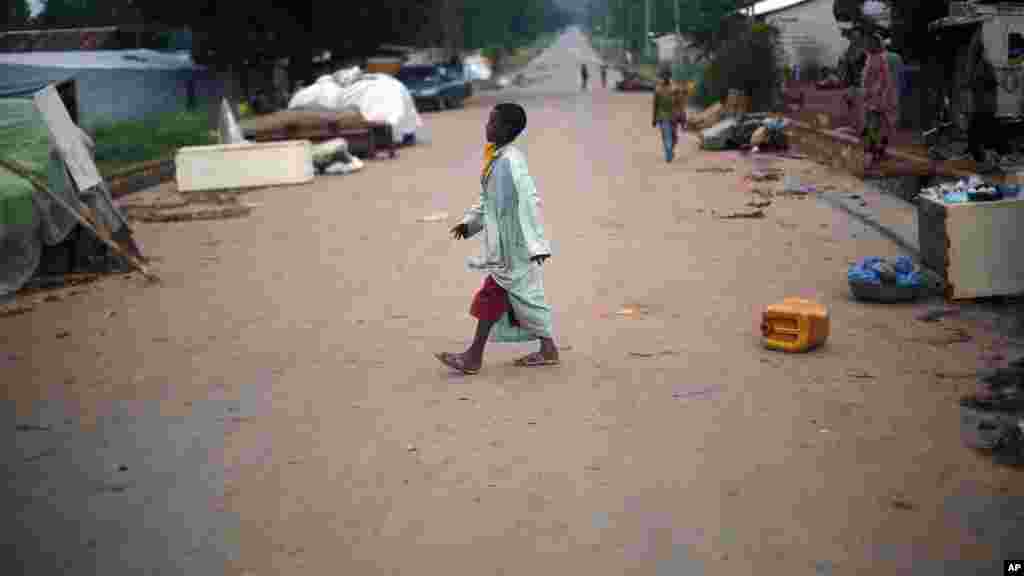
511 306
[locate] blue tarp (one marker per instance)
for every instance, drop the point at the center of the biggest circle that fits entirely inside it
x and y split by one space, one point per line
867 271
24 81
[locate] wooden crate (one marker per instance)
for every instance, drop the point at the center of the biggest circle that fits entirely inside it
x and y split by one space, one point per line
230 166
974 246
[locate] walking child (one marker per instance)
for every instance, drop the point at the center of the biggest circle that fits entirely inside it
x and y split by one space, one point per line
510 307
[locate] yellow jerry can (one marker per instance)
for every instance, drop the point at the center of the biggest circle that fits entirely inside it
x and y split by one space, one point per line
795 325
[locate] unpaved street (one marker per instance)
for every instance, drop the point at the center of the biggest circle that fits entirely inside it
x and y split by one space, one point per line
276 400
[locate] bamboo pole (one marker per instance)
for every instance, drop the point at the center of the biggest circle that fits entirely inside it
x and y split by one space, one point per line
82 219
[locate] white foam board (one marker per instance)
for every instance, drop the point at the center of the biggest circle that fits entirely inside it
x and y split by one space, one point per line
227 166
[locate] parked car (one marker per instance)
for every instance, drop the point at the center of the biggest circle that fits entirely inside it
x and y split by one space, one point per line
633 82
438 86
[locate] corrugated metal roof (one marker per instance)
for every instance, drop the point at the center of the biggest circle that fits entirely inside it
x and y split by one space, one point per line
103 59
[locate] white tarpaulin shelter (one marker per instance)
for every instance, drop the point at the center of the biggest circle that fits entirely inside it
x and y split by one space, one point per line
477 68
114 84
379 97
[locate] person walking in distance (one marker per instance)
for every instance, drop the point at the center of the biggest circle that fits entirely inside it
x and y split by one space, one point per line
880 104
511 306
665 113
604 75
584 75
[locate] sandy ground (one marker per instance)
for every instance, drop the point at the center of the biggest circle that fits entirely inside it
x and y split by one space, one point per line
275 404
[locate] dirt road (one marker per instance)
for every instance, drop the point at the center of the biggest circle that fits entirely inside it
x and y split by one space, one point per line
276 401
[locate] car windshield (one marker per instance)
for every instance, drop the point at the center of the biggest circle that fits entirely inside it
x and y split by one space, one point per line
417 73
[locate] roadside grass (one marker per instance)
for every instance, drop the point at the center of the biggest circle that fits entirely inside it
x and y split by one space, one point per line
121 146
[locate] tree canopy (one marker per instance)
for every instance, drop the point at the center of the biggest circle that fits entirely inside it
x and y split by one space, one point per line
16 14
699 20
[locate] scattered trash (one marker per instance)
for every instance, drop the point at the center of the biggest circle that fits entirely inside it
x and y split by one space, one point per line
41 455
795 325
859 374
876 279
901 503
188 213
63 334
667 352
791 185
742 214
938 314
32 428
435 217
716 169
352 165
972 189
410 448
16 309
759 203
772 175
694 393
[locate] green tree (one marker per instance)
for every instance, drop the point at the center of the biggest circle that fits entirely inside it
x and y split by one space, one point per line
16 14
80 13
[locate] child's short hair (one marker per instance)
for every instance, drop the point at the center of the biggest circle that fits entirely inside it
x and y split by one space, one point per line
513 116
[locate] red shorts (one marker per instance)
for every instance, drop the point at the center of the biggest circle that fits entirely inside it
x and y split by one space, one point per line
490 302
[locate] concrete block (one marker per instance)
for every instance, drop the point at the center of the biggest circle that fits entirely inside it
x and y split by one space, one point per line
231 166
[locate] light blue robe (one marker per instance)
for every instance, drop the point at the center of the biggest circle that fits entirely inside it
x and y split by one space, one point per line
508 215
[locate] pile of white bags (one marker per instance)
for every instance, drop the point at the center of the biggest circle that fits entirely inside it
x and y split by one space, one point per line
477 68
379 97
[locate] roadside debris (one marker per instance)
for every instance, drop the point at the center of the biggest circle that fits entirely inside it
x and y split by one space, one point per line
332 157
938 314
759 203
15 309
748 214
875 279
810 320
694 393
765 175
715 169
435 217
901 503
666 352
993 418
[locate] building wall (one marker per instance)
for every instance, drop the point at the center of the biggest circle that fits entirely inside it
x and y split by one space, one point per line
114 95
809 28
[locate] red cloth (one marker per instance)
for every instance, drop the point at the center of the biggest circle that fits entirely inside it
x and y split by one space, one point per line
490 302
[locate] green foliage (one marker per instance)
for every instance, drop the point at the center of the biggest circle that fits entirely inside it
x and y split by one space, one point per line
700 21
510 25
80 13
15 14
748 60
130 142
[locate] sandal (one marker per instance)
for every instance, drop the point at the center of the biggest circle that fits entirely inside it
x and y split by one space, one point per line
455 362
536 359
